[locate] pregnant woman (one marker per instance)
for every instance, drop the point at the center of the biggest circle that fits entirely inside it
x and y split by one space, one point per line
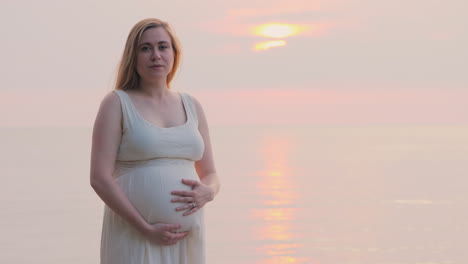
151 158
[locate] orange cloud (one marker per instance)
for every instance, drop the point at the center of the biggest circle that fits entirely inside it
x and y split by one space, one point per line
244 29
269 44
275 8
278 30
242 21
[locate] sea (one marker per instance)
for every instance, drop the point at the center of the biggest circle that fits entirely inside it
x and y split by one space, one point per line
315 194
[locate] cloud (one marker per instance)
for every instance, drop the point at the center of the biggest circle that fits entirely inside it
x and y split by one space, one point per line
242 21
270 8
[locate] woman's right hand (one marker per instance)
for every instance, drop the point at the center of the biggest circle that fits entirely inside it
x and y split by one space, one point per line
164 234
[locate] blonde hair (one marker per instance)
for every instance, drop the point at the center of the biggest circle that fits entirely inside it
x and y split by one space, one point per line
127 77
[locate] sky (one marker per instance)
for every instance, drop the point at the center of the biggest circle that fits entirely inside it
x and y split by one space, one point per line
348 61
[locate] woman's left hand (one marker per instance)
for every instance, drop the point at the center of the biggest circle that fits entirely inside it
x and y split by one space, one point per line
195 199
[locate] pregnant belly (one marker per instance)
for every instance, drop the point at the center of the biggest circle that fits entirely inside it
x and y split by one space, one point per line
149 189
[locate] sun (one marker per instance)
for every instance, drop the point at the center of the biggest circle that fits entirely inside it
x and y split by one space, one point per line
276 30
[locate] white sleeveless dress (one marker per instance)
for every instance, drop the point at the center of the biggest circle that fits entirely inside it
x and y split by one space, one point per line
150 164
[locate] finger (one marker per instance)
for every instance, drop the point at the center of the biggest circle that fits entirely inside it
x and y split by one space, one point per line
176 236
181 235
183 193
184 207
182 200
189 182
171 227
171 243
193 210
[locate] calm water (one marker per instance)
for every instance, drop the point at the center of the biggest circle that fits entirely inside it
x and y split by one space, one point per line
319 195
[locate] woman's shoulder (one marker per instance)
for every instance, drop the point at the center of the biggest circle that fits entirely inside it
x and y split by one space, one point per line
196 105
109 116
193 99
110 105
111 99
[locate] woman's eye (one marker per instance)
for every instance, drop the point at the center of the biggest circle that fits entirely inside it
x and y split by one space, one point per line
163 47
145 48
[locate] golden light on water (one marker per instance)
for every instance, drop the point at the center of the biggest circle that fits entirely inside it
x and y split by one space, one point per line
269 44
276 232
275 173
286 260
275 214
277 30
278 196
275 185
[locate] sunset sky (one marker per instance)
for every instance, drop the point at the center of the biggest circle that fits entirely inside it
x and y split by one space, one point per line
249 62
339 127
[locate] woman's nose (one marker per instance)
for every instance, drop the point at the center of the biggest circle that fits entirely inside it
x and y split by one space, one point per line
156 55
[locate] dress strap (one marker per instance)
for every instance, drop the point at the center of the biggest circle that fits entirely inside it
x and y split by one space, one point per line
128 112
191 110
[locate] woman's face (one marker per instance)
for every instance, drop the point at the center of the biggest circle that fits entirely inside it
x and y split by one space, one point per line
155 54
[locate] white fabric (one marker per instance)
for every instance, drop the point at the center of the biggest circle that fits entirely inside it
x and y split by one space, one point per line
151 163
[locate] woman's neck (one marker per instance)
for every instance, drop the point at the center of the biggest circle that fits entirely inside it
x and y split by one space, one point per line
154 89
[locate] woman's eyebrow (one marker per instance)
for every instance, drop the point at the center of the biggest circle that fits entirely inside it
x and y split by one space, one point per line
160 42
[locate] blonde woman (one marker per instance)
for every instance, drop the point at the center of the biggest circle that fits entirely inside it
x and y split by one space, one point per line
151 158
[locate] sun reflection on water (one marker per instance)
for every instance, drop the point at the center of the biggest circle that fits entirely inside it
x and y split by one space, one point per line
285 260
276 212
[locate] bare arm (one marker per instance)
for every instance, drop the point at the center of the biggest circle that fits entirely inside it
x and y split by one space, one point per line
105 144
206 167
205 191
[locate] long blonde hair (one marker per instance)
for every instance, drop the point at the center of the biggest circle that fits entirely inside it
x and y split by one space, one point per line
128 77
